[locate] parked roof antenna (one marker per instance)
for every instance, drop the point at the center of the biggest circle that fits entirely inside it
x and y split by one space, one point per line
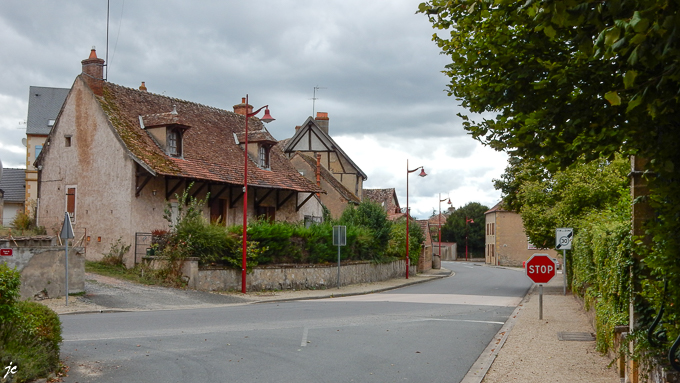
315 98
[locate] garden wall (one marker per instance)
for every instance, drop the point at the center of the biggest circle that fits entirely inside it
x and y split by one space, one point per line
288 277
43 270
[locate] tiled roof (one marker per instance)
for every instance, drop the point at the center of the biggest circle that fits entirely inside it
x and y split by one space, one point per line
497 207
44 105
434 220
383 197
13 184
326 175
209 151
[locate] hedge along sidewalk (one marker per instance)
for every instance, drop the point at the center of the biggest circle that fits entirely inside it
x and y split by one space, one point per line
162 296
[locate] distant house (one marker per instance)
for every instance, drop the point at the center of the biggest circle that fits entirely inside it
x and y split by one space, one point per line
116 155
44 105
312 138
387 198
336 196
506 241
12 188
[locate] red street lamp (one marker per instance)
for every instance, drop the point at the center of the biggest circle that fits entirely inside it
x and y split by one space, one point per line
467 220
408 218
266 118
440 223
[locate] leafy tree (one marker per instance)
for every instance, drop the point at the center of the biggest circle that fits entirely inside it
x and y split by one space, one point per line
454 230
372 216
569 81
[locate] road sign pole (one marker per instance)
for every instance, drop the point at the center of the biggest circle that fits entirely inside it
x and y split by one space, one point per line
338 266
540 302
66 242
564 270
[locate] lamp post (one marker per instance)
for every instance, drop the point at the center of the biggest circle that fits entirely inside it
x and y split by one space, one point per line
440 223
266 118
467 220
408 212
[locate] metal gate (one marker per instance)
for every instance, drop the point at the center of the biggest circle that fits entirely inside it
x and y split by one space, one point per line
142 243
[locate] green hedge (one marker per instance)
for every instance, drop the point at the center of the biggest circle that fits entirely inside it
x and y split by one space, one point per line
30 333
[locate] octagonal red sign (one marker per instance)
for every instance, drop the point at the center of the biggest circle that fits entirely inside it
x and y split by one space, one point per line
540 268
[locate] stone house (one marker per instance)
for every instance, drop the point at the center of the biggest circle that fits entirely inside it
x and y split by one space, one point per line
506 241
117 156
312 138
337 196
387 198
44 104
12 192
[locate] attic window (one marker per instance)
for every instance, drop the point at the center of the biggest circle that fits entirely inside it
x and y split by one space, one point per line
67 141
175 142
264 157
50 123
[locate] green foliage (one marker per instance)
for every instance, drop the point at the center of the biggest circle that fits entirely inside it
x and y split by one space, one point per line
31 342
372 216
455 228
22 221
116 253
10 282
30 333
397 243
600 265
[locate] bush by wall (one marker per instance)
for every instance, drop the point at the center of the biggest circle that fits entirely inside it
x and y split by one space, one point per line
30 333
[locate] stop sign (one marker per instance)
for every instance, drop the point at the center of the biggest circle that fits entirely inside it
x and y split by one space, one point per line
540 268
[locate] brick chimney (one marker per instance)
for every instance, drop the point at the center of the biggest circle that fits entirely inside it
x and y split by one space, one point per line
243 108
93 73
322 120
143 87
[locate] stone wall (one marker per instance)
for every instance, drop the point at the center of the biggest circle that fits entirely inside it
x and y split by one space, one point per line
43 270
287 277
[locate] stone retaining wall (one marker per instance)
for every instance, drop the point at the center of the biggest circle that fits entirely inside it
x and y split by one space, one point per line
43 271
288 277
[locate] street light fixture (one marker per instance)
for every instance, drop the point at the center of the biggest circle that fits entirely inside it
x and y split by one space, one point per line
266 118
408 212
467 220
440 222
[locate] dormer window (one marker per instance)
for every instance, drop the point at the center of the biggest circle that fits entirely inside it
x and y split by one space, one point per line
264 157
174 142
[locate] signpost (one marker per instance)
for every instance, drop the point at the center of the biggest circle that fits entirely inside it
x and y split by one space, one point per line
540 268
563 238
66 234
339 239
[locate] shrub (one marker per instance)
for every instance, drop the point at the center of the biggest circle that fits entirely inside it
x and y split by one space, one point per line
10 282
31 342
116 253
22 221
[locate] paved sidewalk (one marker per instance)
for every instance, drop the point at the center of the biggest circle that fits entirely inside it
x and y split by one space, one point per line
530 351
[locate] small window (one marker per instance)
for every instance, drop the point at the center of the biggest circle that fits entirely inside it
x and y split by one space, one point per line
38 149
174 143
50 123
67 141
264 157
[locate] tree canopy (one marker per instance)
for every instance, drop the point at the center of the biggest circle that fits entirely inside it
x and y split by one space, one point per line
455 230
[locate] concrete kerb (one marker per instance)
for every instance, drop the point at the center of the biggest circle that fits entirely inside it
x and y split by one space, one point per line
316 294
483 363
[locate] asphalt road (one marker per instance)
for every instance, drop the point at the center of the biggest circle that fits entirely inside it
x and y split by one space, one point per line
432 332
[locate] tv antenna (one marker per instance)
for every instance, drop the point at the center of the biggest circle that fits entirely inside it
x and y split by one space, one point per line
315 98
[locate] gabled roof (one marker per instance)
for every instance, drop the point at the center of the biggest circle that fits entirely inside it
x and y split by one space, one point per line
322 141
495 208
434 220
384 197
13 184
44 104
328 177
209 153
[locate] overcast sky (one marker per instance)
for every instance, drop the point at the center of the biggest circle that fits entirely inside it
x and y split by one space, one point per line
377 69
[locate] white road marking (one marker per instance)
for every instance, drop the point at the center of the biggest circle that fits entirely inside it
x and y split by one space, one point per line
305 331
444 299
